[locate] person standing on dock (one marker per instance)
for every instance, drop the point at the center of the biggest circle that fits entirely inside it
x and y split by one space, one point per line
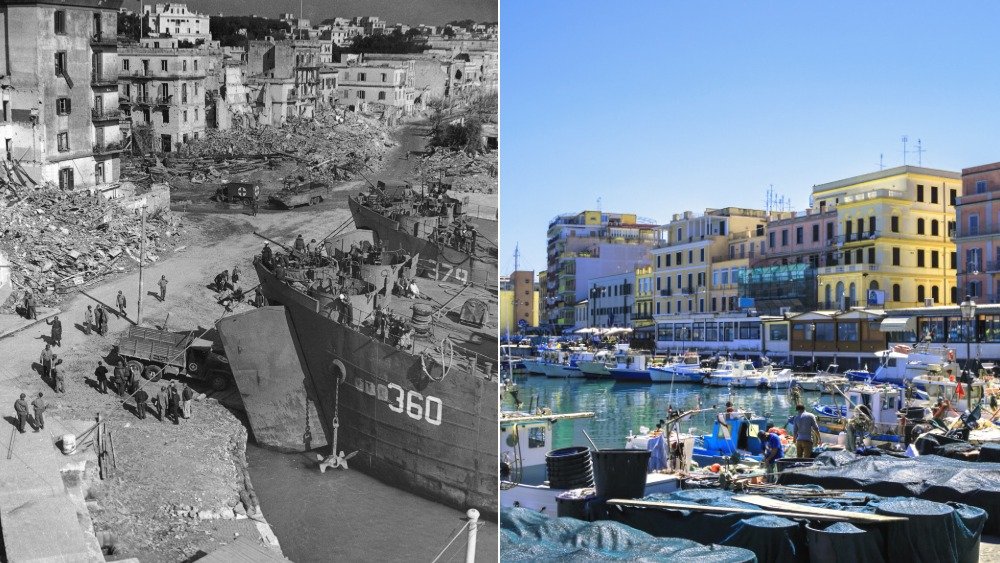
101 374
47 359
30 308
21 408
804 425
773 451
56 331
187 395
161 402
119 378
60 381
101 318
254 206
140 402
88 319
173 402
39 406
120 300
163 288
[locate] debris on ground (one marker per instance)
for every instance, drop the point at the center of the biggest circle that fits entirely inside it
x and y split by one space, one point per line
60 239
468 173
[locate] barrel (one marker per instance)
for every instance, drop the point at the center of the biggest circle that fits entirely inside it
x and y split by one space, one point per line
68 444
620 473
574 503
421 320
842 542
569 468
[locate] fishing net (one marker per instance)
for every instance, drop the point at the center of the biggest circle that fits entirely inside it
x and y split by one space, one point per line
526 535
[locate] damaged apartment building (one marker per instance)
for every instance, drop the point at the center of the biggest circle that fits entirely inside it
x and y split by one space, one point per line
59 93
283 79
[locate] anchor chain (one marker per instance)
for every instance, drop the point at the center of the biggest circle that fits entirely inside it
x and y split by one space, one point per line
337 458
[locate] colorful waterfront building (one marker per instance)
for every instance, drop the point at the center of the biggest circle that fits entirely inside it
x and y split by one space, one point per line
893 245
978 235
518 302
587 245
642 303
693 270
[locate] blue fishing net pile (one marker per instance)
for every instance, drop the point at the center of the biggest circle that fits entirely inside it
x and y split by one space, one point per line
526 535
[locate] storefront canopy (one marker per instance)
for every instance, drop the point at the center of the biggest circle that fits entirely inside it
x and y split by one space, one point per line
898 324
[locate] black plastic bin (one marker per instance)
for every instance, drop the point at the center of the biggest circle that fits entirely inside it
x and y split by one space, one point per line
575 504
620 473
569 468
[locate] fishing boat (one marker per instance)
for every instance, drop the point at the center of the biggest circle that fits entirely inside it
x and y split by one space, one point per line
599 366
733 373
680 369
339 358
565 364
631 368
526 454
434 226
533 366
732 433
822 380
902 363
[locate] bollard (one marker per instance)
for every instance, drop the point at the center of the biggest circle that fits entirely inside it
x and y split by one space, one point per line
470 550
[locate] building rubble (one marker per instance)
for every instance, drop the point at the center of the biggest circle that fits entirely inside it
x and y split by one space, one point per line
58 240
466 172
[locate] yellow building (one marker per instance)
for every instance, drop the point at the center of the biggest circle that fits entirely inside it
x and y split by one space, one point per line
894 236
642 305
518 299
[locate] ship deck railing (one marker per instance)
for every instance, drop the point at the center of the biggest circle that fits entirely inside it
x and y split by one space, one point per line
363 322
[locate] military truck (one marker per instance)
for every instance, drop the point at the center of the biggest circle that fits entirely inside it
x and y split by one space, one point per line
173 354
237 192
306 193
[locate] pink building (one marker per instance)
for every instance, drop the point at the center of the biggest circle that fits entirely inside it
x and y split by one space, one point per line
978 236
807 238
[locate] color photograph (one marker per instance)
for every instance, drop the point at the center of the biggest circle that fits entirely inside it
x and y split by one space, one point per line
748 295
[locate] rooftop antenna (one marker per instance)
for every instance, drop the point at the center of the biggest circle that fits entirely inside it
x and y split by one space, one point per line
517 257
599 205
905 139
920 153
881 164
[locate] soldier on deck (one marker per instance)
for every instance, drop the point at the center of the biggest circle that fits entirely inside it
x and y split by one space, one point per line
300 244
267 256
473 234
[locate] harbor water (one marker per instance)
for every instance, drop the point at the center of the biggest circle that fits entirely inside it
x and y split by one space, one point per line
347 516
621 408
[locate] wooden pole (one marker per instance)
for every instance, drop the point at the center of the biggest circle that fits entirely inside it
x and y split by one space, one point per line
142 258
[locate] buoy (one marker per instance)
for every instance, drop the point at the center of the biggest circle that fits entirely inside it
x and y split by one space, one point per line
715 468
69 444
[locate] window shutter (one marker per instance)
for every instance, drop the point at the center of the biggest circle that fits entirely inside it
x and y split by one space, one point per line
69 105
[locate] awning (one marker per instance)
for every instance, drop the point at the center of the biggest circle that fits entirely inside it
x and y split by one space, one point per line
898 324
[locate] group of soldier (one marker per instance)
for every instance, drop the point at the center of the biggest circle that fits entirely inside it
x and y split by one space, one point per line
168 403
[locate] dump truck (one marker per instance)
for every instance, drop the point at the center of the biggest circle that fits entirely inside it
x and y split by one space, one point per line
307 193
237 192
173 354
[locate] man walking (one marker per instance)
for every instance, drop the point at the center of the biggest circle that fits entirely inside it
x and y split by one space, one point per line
39 405
29 305
21 408
163 288
88 320
161 402
101 318
56 331
140 402
173 403
120 378
101 374
47 359
121 304
188 395
804 424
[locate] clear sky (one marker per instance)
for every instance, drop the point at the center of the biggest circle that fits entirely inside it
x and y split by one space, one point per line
658 107
411 12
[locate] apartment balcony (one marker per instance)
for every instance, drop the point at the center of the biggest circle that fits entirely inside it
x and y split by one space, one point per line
666 292
163 100
985 230
993 267
863 236
143 99
100 79
874 194
141 74
106 114
108 148
105 40
847 269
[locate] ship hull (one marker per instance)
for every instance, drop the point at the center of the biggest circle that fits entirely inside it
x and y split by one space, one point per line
433 438
437 262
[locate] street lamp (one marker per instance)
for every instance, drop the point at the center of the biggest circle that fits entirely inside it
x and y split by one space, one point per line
968 308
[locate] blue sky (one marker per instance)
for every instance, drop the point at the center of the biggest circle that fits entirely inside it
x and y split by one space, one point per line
659 107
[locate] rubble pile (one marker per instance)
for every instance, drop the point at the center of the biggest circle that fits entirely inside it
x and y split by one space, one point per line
332 142
58 239
470 173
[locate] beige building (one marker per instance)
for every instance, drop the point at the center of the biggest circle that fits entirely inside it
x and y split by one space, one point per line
694 271
59 100
176 21
384 86
162 90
